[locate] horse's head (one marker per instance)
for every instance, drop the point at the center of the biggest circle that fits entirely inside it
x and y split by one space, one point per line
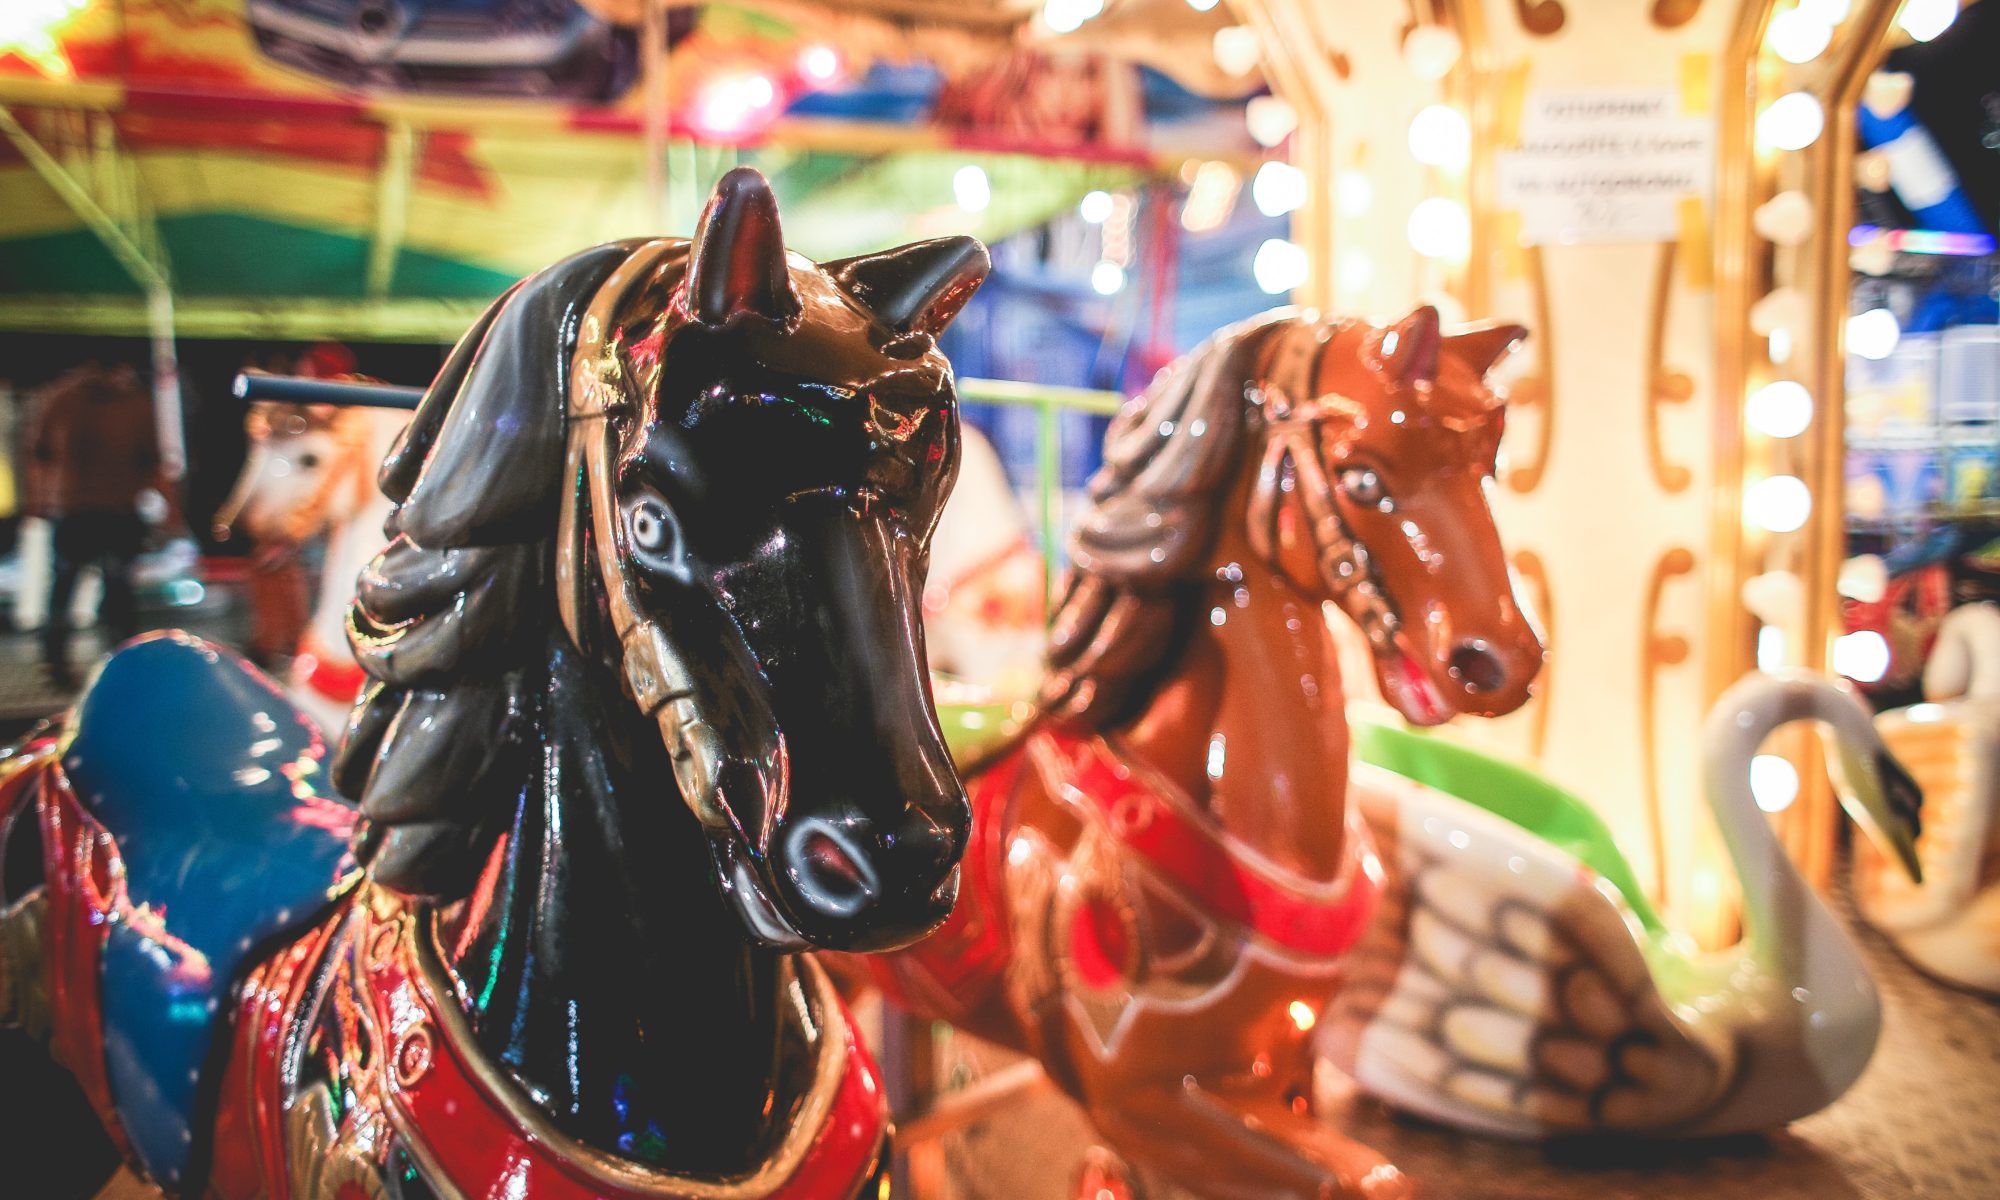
309 466
1360 458
749 456
1380 445
293 449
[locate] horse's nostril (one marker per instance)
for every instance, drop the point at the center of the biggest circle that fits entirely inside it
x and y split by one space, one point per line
831 864
1477 667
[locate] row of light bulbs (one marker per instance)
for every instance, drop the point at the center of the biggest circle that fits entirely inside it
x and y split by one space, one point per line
1784 408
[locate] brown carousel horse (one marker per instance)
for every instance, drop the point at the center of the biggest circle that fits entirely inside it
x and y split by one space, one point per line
1164 878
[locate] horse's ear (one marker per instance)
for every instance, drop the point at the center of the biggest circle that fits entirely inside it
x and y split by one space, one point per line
916 288
1483 346
738 266
1407 352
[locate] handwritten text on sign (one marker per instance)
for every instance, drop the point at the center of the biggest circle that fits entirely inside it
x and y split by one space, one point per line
1605 165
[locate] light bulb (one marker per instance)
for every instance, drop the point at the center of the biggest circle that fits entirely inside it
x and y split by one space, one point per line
1095 207
1780 308
1873 334
1770 648
1440 228
1793 121
1278 188
1236 50
1925 19
1067 16
1779 345
1799 35
1280 266
1106 278
1780 409
1354 271
1201 5
1270 119
1779 504
1352 193
819 63
1431 51
1862 656
1440 137
1863 578
971 188
1774 782
1786 219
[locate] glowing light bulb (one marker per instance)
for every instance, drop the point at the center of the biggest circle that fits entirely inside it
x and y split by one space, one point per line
1440 228
1873 334
1236 50
1780 409
1303 1015
1431 51
1863 578
1095 207
1440 137
1107 278
1786 219
1799 35
1925 19
1774 782
1068 16
971 188
1779 504
1353 193
1270 119
1779 346
1278 188
1770 648
1202 5
1793 121
820 63
1280 266
1862 656
1353 271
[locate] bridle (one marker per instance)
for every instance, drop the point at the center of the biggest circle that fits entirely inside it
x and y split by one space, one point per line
1346 568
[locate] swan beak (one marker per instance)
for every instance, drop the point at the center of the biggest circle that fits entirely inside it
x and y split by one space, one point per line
1901 821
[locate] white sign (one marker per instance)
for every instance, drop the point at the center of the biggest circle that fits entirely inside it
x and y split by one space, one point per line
1605 165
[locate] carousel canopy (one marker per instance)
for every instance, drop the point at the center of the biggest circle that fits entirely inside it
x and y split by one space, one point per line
379 170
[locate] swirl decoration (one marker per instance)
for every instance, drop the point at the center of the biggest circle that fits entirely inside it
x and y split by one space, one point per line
1658 650
1536 390
1663 386
1540 17
1529 566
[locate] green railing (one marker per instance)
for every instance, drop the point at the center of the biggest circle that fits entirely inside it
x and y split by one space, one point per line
1049 402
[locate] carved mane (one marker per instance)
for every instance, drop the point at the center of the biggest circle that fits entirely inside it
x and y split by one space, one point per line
450 621
1154 513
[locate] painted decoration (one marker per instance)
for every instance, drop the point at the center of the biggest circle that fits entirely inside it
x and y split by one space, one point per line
1517 983
1949 922
650 603
1164 883
310 473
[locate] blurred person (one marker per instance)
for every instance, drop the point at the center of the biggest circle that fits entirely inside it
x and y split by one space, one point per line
92 448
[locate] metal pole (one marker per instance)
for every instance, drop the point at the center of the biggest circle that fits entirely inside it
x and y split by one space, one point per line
653 64
346 393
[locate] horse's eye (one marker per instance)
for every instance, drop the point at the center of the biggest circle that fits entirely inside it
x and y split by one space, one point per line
655 535
1363 486
308 461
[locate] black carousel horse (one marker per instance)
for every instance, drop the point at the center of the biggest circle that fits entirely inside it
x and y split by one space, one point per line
648 714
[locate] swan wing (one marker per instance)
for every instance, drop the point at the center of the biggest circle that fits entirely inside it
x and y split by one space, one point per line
1502 987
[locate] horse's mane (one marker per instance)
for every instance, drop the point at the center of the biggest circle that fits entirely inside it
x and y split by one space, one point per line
1155 508
450 621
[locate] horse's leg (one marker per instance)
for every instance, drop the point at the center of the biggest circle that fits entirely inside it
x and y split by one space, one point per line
1235 1138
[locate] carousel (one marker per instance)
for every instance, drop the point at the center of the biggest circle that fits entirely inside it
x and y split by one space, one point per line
1312 600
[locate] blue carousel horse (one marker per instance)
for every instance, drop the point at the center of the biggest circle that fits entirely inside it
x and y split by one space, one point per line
647 715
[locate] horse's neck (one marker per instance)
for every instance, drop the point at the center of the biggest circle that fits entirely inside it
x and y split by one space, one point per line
353 538
605 972
1250 720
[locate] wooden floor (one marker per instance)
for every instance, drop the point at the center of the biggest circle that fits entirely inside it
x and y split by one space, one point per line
1924 1121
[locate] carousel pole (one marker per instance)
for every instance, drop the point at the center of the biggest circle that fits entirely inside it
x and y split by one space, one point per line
658 117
